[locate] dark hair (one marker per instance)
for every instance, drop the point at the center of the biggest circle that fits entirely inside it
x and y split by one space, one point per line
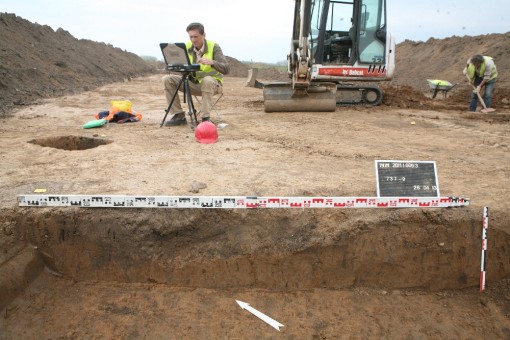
196 26
477 58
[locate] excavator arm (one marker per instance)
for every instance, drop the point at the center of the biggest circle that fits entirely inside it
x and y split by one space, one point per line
300 59
301 94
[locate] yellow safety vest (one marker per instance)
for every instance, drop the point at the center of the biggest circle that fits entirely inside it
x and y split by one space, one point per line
205 70
471 70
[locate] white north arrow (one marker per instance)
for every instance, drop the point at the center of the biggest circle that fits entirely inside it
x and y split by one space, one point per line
275 324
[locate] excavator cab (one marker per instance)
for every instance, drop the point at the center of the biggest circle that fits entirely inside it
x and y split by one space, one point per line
337 47
351 32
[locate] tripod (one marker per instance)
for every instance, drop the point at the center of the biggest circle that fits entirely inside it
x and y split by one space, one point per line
187 98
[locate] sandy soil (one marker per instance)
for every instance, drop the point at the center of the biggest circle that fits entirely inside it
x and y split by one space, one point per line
147 159
131 311
76 273
262 154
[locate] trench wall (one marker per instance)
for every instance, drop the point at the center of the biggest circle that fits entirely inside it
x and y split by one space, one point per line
269 249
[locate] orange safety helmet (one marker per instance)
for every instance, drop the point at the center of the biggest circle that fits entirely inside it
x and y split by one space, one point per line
206 133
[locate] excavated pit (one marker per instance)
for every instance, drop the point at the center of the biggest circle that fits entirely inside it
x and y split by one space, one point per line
269 249
70 143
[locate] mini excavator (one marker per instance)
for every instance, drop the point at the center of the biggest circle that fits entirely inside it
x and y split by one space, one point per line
337 48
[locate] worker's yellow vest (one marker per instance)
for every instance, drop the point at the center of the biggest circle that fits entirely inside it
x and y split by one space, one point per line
471 70
205 70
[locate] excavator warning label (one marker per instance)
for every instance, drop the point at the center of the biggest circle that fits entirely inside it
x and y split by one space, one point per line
406 178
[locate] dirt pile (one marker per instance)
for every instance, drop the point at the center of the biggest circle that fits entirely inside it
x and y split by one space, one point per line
237 68
38 62
446 58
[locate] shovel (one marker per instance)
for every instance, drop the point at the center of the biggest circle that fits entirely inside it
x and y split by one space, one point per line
485 109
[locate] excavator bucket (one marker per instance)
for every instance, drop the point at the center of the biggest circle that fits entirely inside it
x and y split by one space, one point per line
281 97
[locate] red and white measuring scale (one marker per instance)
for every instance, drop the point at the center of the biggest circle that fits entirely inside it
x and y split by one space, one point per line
236 202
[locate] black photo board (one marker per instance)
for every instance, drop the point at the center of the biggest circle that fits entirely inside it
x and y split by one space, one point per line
406 178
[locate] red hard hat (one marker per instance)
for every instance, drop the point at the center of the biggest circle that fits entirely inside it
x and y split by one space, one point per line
206 133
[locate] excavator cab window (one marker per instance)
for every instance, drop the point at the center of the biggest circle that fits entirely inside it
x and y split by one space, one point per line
336 21
340 28
348 31
333 31
372 33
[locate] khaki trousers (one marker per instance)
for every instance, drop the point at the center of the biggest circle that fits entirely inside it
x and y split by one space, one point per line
207 89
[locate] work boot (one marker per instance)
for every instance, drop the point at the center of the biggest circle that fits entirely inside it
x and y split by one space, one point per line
177 119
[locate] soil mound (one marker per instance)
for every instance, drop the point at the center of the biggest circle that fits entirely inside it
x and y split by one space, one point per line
38 62
446 58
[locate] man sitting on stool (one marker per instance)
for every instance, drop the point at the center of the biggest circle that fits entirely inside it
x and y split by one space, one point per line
206 83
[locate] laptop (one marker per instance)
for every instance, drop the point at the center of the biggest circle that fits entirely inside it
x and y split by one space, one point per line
176 57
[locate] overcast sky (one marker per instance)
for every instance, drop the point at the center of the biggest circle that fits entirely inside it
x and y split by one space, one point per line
246 30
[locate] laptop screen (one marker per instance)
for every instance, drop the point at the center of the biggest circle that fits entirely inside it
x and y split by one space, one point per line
175 54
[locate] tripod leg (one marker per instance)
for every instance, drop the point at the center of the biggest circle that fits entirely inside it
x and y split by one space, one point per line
171 102
191 108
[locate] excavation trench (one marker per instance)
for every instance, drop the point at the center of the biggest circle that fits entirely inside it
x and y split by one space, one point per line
270 249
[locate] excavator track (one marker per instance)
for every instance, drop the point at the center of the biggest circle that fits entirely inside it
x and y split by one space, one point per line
358 95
